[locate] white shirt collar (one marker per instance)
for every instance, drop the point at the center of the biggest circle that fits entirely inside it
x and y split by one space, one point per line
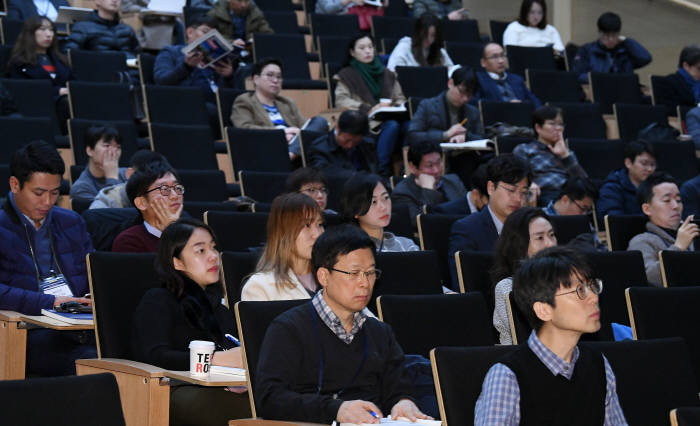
498 223
472 207
495 76
157 232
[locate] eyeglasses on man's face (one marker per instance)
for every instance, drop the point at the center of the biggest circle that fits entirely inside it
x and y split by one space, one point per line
166 189
595 286
358 276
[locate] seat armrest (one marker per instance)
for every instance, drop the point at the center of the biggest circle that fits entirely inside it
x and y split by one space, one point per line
123 366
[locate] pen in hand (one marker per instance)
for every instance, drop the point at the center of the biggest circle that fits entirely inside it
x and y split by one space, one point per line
463 122
232 339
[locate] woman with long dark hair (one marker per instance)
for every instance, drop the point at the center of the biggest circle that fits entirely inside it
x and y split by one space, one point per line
365 85
188 307
425 48
35 56
525 232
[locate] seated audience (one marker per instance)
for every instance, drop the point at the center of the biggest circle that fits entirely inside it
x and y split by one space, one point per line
690 195
353 385
344 149
611 53
558 295
103 148
551 161
21 10
531 29
237 20
366 203
450 9
174 68
525 232
661 201
427 185
692 124
426 47
35 56
284 270
683 86
311 182
495 84
618 195
158 195
477 197
449 117
115 196
575 198
364 84
508 178
264 108
188 307
103 31
43 256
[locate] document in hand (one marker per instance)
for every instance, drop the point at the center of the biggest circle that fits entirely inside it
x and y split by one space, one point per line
400 421
70 318
211 45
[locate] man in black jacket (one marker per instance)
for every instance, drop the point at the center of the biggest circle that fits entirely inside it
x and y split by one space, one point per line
683 86
329 359
102 31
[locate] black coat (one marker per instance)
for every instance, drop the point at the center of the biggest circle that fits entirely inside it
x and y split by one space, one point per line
672 91
100 34
37 72
325 154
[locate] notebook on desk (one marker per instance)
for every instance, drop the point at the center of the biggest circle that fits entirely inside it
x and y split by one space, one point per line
400 421
70 318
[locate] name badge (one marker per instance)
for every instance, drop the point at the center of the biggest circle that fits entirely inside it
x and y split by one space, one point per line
55 285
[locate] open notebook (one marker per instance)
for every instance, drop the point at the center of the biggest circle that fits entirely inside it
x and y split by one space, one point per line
400 421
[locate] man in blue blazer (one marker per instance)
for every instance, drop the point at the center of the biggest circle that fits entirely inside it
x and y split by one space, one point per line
23 9
508 179
495 84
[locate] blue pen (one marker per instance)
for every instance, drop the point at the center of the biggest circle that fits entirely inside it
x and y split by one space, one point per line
232 339
373 414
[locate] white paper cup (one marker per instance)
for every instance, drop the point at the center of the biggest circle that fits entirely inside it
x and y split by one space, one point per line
200 357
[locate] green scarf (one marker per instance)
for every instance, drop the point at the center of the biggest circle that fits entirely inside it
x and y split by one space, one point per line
372 74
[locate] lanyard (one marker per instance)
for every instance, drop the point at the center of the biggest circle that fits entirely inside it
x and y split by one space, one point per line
53 254
321 357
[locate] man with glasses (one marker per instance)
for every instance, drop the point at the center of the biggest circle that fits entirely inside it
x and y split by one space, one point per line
508 179
157 193
611 53
495 84
329 359
551 379
577 197
551 161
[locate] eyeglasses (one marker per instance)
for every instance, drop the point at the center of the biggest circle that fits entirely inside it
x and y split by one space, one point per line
596 286
584 209
357 276
165 190
558 124
321 190
496 57
271 76
512 190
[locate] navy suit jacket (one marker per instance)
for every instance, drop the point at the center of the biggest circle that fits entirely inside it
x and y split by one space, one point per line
23 9
475 232
488 89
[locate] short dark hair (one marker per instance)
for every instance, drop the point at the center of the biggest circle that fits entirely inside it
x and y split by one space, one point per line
353 122
483 51
634 149
512 244
538 278
525 10
351 46
466 77
259 66
690 55
609 22
36 157
544 113
478 180
356 198
508 168
202 19
138 183
417 150
578 188
337 241
172 241
144 156
645 190
94 133
302 176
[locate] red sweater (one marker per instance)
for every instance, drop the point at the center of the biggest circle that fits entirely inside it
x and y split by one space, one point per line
136 240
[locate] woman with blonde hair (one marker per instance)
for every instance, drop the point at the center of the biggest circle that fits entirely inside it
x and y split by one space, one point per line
284 270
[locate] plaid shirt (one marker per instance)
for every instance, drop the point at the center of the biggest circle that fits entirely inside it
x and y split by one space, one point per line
550 171
333 322
499 402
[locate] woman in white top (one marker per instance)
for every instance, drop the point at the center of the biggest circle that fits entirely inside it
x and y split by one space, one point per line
531 28
284 271
366 203
525 232
424 48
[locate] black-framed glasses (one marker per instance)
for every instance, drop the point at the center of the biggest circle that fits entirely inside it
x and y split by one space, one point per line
596 286
166 189
372 275
584 209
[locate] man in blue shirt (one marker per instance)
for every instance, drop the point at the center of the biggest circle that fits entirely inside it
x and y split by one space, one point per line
551 377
